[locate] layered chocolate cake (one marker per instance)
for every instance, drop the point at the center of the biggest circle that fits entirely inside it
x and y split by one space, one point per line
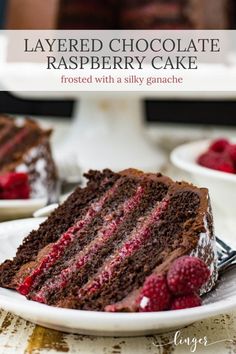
176 14
98 249
146 14
25 149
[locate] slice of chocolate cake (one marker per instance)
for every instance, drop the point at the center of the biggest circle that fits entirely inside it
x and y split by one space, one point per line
96 251
25 148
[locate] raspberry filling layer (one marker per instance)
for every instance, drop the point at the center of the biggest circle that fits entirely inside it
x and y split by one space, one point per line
134 243
111 223
65 240
17 139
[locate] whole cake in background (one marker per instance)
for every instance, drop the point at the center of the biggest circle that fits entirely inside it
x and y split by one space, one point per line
176 14
146 14
27 168
119 244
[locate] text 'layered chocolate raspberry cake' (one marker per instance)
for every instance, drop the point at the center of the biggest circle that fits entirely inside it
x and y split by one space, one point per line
114 241
27 169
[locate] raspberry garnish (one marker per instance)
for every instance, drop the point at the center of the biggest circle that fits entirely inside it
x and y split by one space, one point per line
231 151
187 274
219 145
155 295
221 156
14 185
216 161
227 167
186 301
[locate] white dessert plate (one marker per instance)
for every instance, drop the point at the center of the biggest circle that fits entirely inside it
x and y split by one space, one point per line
219 301
19 208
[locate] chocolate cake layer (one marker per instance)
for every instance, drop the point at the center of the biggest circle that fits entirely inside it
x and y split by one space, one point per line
200 230
116 228
160 234
58 223
96 250
83 231
120 190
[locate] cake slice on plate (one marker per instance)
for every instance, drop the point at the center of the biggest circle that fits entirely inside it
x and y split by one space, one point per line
103 247
27 169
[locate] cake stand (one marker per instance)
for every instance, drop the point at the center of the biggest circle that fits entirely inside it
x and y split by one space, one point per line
110 132
107 131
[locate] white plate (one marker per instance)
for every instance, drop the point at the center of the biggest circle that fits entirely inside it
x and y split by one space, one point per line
222 300
18 208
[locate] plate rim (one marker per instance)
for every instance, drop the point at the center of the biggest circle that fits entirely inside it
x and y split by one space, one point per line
13 203
58 312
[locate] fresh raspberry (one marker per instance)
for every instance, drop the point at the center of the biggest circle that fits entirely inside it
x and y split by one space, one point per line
9 194
231 151
186 301
219 145
216 161
226 166
14 185
155 295
186 275
10 179
208 159
24 192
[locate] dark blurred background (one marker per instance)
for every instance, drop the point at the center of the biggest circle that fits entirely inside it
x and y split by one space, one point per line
130 14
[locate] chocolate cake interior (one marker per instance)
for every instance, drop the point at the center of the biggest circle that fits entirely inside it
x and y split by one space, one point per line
102 243
59 221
